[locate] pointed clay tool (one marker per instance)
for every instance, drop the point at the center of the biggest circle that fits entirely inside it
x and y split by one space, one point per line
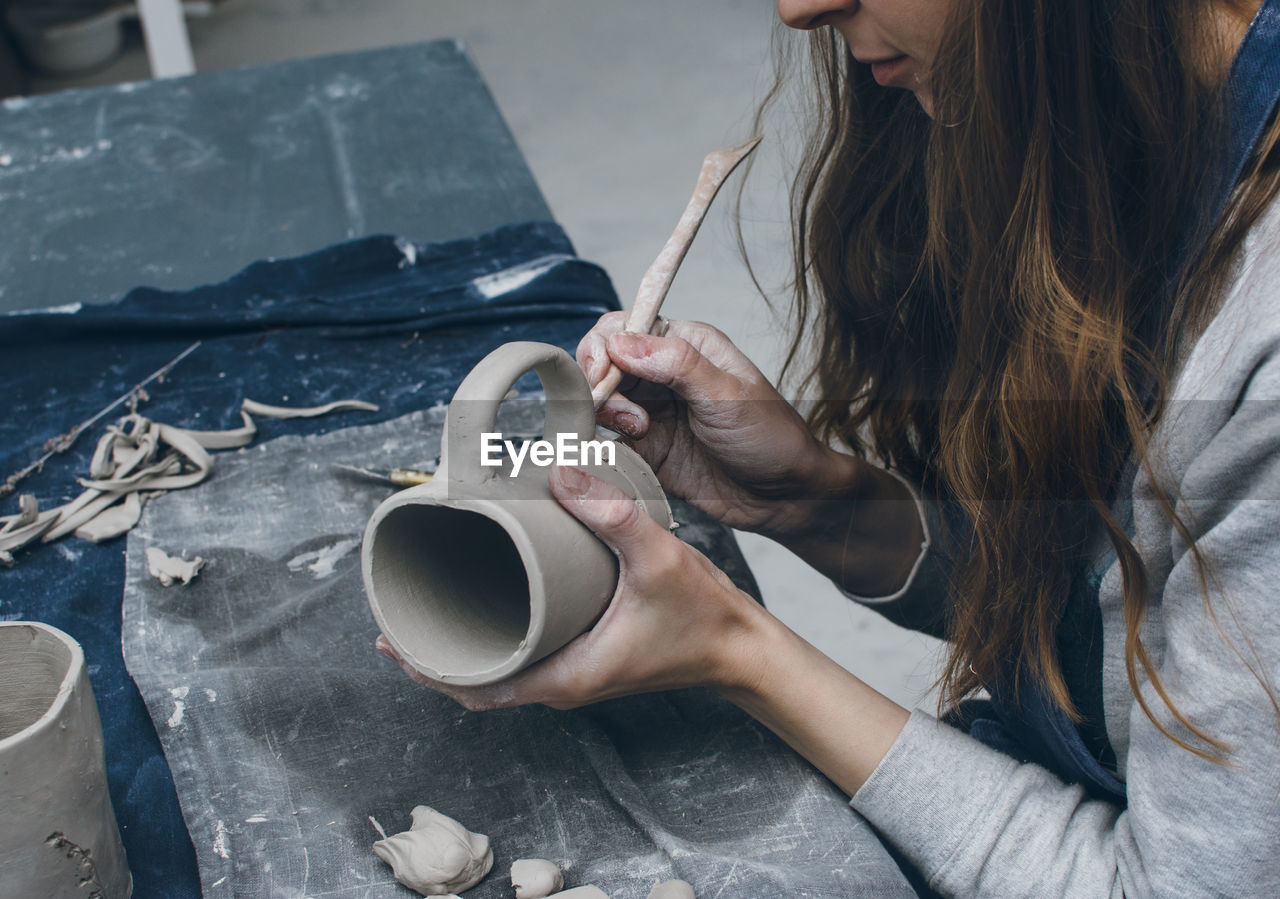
657 280
398 477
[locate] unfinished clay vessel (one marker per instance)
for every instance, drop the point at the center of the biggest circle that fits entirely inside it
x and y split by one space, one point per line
480 572
58 834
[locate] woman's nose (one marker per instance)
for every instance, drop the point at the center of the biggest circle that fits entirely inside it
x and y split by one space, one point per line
808 14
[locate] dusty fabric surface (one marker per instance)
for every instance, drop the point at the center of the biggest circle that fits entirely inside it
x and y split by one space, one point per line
380 318
286 732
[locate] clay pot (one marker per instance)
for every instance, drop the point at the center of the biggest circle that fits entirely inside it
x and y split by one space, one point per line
480 572
58 834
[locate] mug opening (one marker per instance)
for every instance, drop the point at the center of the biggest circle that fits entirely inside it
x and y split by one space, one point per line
33 666
451 588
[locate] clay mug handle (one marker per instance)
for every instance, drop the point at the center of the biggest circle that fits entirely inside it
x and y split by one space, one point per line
474 408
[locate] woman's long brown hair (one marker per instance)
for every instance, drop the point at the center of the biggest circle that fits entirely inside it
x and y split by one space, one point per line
997 295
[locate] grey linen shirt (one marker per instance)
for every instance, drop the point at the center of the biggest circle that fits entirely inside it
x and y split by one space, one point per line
978 823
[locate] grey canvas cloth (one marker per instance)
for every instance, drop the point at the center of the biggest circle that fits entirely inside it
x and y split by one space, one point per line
286 732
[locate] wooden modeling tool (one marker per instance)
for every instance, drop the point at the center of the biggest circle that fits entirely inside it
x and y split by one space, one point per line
657 280
398 477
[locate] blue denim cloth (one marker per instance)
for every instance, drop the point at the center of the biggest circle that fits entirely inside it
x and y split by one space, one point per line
1026 723
375 317
1254 89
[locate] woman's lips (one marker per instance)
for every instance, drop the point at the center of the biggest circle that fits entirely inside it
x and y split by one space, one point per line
891 72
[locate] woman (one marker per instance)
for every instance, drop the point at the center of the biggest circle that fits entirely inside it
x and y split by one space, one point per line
1038 256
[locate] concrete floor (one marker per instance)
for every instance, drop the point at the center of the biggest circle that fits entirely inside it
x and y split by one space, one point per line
614 105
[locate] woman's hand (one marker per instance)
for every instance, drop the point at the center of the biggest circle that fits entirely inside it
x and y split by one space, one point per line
718 435
675 620
713 429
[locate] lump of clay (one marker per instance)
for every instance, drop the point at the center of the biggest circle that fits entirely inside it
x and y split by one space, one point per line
587 892
535 878
436 856
168 570
672 889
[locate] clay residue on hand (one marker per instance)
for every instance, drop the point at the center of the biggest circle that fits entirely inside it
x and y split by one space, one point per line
436 856
136 460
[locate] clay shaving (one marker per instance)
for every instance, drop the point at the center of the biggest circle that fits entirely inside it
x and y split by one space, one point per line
138 459
253 407
63 442
168 570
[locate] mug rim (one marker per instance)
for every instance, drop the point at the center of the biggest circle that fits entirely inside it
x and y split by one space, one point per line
75 666
497 512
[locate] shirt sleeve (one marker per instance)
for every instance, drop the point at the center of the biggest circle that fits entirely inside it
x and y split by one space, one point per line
976 822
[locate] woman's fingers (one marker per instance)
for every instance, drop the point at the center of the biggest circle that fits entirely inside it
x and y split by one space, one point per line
624 416
592 353
518 690
578 673
666 626
383 645
695 349
677 364
611 515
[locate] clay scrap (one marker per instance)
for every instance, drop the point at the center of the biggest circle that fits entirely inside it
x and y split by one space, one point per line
169 570
135 460
535 878
587 892
18 530
436 856
63 442
253 407
672 889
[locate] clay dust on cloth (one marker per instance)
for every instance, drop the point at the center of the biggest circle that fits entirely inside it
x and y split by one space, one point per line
380 318
287 733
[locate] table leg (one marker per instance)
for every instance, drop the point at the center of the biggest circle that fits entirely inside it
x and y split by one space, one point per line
168 46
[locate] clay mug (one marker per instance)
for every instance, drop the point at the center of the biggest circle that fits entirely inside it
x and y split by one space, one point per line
481 572
58 834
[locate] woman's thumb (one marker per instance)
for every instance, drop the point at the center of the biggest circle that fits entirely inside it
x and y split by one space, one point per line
610 514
